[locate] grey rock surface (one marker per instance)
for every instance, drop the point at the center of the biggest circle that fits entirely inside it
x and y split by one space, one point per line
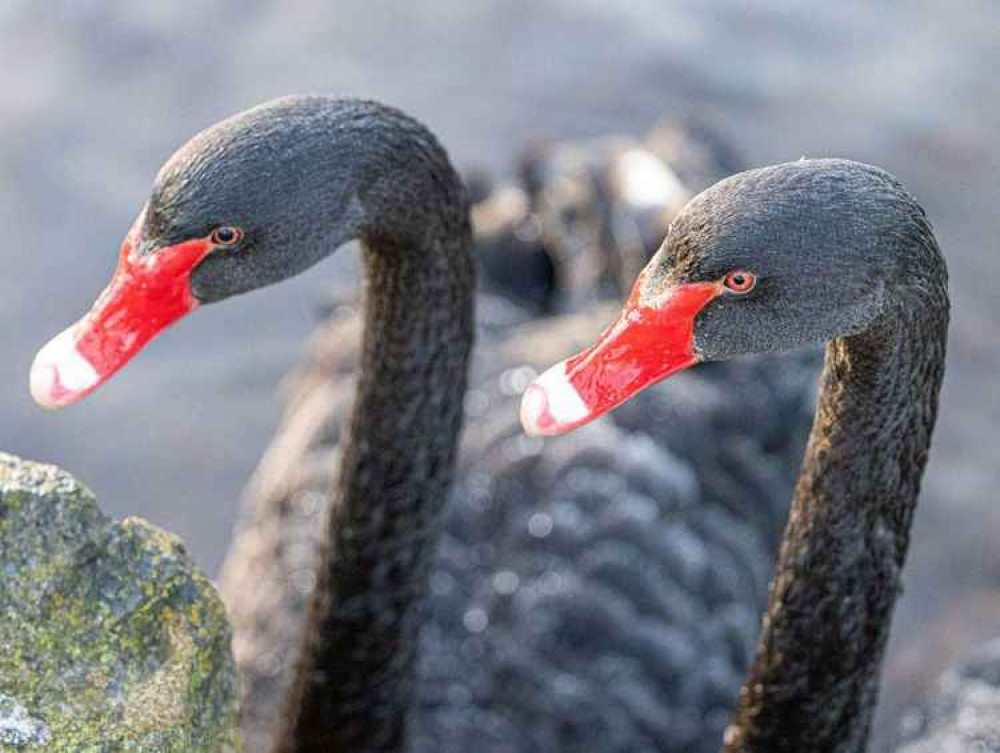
110 637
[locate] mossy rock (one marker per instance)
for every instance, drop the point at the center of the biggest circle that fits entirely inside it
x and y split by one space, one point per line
111 639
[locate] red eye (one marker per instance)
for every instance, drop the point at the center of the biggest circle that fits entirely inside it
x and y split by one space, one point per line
226 236
740 281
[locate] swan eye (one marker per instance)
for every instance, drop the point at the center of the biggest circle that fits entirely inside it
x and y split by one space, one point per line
740 281
226 236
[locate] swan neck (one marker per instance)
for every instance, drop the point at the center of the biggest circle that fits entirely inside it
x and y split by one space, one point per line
353 683
814 681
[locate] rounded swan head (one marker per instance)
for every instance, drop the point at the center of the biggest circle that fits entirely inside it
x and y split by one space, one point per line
250 201
766 260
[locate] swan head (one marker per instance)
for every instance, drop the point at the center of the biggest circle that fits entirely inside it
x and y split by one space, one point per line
248 202
766 260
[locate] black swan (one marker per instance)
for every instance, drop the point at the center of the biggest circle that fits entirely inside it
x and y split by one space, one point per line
809 251
591 632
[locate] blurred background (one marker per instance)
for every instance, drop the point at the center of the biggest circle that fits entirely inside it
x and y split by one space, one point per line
95 95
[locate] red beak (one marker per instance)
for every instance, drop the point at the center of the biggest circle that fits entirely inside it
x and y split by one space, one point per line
651 340
146 295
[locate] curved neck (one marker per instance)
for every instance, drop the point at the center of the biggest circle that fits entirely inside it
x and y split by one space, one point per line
351 688
814 681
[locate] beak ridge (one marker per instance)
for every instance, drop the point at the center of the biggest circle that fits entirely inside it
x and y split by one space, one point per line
146 295
649 342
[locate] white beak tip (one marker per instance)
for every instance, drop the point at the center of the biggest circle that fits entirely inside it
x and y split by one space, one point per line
535 416
551 405
60 374
43 383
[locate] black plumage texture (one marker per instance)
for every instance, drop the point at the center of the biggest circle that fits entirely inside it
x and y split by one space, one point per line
963 713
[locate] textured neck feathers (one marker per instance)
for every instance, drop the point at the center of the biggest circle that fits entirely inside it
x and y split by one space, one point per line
352 685
814 682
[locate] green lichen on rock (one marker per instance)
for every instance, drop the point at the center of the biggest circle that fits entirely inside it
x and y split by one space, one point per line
110 638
